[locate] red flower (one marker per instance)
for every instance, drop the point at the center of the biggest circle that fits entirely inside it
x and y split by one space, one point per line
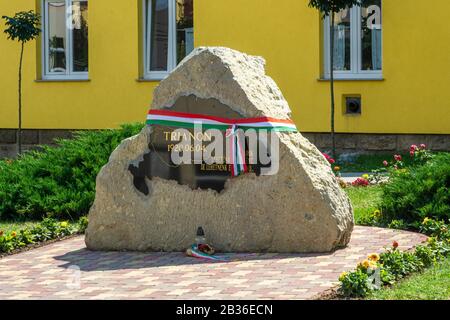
395 244
329 159
413 148
412 153
423 146
385 163
398 157
360 182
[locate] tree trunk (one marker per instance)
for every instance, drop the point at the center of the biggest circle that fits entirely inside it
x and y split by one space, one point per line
333 139
19 131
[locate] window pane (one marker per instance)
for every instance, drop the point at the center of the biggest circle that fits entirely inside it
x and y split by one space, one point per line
80 35
185 28
371 35
342 40
56 37
159 34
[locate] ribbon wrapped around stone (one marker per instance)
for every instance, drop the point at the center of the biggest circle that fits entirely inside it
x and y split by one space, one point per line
230 126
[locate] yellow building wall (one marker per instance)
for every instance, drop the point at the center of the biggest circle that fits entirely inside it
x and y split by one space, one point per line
111 97
413 97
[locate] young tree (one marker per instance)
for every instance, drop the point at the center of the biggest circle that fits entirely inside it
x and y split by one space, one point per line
24 26
330 8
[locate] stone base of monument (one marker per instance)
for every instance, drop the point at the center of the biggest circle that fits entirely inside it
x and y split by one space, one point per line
145 203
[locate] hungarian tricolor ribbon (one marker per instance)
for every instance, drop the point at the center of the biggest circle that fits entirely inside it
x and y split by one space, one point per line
230 126
238 164
196 253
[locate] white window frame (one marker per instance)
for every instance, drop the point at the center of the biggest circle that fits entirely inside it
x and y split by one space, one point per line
70 74
172 41
355 71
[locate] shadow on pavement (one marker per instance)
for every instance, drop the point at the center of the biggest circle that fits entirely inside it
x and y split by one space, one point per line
88 260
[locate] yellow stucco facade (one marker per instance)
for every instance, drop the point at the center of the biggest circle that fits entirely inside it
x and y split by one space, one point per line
413 95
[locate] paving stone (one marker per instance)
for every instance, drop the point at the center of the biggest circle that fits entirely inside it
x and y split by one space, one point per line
43 273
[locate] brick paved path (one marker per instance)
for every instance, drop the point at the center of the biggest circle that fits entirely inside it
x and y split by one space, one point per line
51 272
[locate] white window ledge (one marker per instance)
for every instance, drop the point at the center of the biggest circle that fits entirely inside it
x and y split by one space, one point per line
147 80
352 79
156 76
64 80
350 76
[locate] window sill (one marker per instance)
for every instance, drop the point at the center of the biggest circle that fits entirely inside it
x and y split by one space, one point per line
63 80
148 80
350 79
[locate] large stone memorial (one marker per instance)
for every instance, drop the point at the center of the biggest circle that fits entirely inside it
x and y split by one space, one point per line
144 201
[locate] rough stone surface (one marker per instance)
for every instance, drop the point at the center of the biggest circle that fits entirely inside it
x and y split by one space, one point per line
8 136
30 136
300 209
345 141
405 141
439 142
49 136
8 150
382 142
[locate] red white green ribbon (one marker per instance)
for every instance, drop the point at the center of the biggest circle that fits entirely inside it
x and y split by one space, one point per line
190 120
196 253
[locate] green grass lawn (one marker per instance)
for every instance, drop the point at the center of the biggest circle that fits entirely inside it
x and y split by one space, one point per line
432 284
365 201
8 226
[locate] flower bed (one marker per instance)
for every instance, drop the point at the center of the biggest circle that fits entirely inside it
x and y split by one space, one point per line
48 229
414 197
393 264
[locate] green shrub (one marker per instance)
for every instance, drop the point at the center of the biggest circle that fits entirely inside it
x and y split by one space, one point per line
58 181
355 284
418 192
82 224
397 224
435 228
427 255
400 263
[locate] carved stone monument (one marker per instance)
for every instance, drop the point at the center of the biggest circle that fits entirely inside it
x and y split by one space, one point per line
146 202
